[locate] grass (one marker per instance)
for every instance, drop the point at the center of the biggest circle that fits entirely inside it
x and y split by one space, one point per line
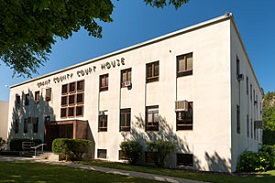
266 177
31 172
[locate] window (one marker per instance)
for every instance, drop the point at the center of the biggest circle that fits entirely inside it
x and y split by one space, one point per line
150 157
27 99
152 118
63 113
122 156
102 122
47 119
125 119
102 153
250 91
64 100
37 96
17 98
80 98
152 72
72 87
80 85
64 89
126 77
238 120
185 159
247 125
35 125
16 126
247 85
72 102
25 125
71 99
237 67
103 82
48 94
185 118
71 111
79 110
185 65
251 128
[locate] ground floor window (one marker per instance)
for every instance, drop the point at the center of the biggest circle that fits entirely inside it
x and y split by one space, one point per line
25 125
102 153
125 119
150 157
152 118
185 159
122 156
35 125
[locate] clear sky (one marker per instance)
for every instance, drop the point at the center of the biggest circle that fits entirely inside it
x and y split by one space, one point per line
134 22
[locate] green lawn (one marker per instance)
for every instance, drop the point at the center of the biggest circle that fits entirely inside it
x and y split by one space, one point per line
266 177
30 172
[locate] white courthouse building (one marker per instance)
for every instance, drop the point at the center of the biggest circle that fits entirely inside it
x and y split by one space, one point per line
195 87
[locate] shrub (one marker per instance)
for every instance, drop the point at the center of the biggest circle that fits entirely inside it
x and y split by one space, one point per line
253 162
161 149
16 143
132 150
73 149
2 143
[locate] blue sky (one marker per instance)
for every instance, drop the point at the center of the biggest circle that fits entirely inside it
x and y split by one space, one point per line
134 22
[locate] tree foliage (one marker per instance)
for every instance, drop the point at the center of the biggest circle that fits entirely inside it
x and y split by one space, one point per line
269 118
29 28
132 150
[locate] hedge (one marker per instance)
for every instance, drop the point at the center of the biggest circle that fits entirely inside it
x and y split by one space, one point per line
16 143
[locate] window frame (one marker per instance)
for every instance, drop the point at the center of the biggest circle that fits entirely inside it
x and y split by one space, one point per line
48 94
103 123
25 129
37 96
154 125
238 122
35 126
185 71
126 124
103 82
104 151
186 120
128 78
27 99
188 159
153 76
16 126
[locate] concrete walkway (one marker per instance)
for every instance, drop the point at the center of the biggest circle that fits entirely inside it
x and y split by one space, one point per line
105 170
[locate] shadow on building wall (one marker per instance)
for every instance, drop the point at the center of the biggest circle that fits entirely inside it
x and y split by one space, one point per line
23 112
168 133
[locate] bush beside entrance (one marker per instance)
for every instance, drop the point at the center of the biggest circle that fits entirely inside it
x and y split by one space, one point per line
71 149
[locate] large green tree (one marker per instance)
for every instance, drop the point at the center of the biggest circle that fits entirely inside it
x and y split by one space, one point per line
269 118
28 28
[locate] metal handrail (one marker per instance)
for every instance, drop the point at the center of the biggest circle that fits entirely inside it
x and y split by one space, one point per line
36 147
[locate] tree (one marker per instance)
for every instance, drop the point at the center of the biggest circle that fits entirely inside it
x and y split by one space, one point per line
132 150
29 28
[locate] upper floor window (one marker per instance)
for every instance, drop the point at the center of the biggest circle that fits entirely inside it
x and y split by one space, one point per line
126 77
125 119
37 96
72 87
103 82
103 121
17 99
48 94
80 85
152 71
185 118
238 120
185 65
16 126
237 66
27 99
247 85
152 118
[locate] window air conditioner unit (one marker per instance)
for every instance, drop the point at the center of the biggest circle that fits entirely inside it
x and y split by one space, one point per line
181 106
128 83
101 113
240 77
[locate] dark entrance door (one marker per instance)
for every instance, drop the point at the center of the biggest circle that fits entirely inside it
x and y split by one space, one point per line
64 129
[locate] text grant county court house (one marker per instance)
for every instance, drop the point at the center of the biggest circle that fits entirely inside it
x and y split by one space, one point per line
195 87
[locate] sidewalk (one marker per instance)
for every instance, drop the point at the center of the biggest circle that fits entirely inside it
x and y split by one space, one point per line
106 170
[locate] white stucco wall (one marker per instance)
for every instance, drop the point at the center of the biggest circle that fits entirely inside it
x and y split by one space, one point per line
211 88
